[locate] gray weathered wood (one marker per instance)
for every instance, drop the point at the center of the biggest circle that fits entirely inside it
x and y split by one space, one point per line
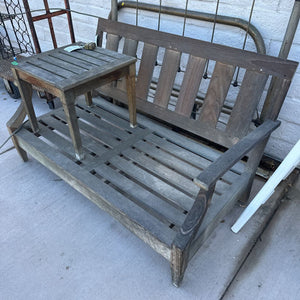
231 56
68 100
112 42
216 94
190 85
243 111
147 65
148 228
167 77
26 94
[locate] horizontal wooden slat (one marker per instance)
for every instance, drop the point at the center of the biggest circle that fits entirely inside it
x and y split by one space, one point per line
193 126
142 197
180 182
112 118
57 70
89 145
174 163
153 183
65 57
102 125
58 62
91 131
185 155
79 54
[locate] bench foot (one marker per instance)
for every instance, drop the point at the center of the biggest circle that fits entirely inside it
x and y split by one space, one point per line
179 261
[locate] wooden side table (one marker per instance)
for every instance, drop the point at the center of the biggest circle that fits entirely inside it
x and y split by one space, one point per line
67 75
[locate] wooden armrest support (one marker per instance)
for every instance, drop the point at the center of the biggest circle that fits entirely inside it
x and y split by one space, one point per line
17 119
216 170
14 123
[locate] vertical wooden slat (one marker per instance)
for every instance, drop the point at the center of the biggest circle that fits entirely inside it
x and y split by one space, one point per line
167 77
112 42
146 70
275 97
247 100
130 48
216 93
190 85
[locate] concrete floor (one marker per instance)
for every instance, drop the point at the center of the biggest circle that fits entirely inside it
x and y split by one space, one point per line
55 244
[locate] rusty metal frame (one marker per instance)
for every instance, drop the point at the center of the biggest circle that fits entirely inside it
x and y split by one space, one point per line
48 15
201 16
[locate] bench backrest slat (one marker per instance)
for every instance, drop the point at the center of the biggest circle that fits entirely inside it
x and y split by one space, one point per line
247 100
190 85
145 74
216 93
112 42
167 78
130 47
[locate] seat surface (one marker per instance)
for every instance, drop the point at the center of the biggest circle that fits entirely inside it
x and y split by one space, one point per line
143 176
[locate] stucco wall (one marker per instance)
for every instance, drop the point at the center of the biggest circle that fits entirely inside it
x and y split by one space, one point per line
270 17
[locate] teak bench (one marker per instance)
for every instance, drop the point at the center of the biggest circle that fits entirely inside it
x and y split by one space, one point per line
169 188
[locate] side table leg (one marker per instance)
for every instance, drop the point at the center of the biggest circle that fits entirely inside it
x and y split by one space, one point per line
26 94
130 82
68 103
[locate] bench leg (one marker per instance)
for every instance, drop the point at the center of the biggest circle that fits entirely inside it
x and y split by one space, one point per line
178 264
88 98
130 82
180 252
68 102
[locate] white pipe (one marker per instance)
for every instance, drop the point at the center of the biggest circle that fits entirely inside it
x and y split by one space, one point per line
283 171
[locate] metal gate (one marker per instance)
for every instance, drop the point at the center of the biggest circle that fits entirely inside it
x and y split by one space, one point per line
18 31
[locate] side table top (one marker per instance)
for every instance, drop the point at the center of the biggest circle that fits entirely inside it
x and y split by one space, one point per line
65 70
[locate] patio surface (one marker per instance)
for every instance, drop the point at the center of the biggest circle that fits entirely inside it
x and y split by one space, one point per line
55 244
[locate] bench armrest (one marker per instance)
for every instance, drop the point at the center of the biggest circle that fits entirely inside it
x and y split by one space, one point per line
216 170
207 180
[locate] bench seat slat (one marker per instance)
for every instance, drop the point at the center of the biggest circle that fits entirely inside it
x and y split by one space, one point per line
154 205
157 185
198 161
89 145
174 163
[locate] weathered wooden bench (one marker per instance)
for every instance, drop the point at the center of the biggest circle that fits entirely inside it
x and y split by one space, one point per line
169 187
